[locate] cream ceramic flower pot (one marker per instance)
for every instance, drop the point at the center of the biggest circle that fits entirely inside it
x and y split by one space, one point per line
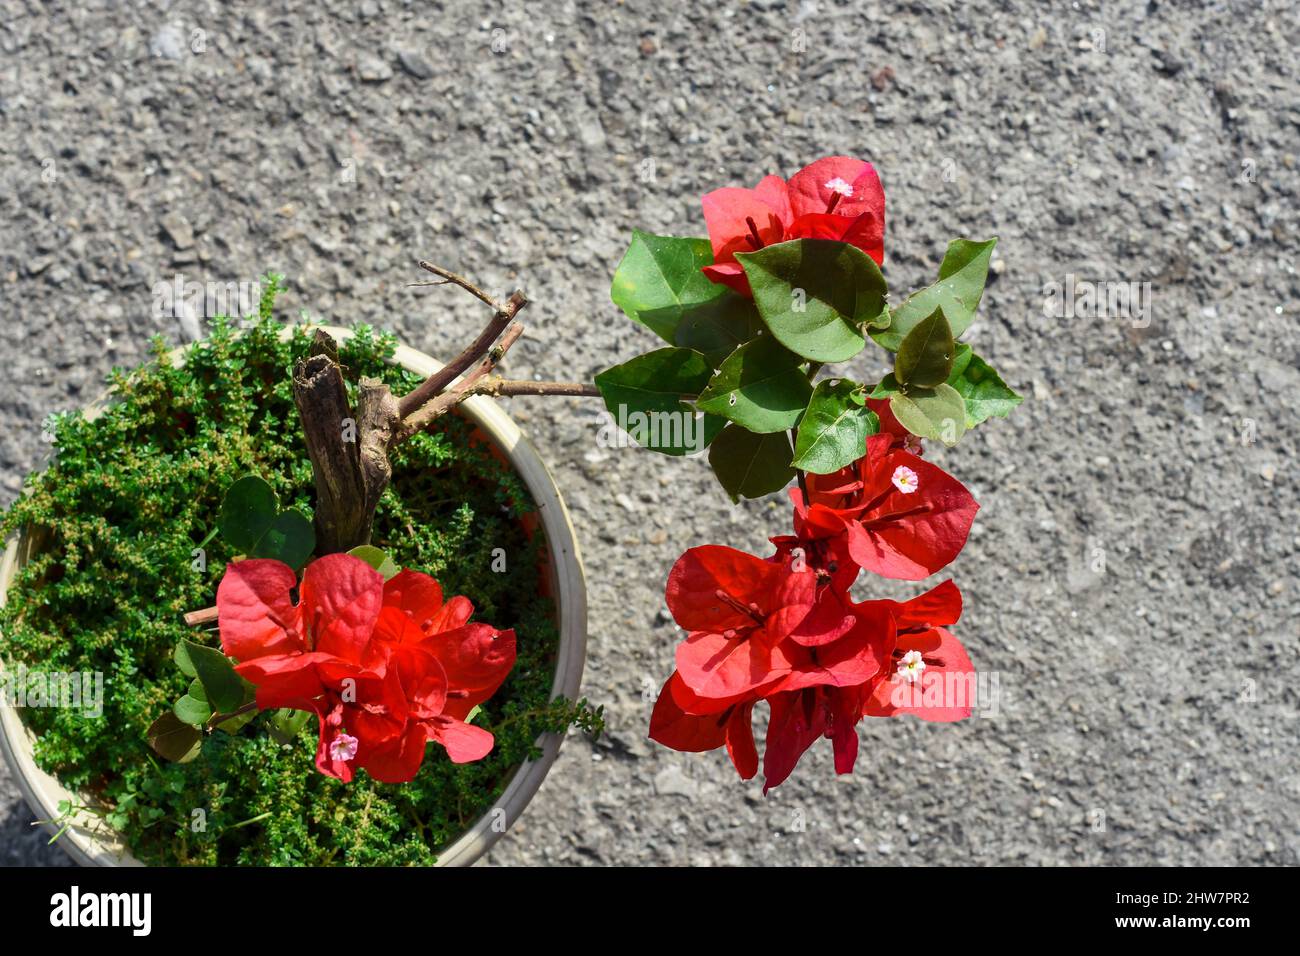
90 842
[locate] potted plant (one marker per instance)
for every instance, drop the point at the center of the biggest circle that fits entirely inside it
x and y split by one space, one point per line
787 284
272 604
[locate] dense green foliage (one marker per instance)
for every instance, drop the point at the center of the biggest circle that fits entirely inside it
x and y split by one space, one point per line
753 363
116 520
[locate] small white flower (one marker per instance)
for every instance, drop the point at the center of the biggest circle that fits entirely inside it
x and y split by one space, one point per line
905 480
838 185
343 747
910 668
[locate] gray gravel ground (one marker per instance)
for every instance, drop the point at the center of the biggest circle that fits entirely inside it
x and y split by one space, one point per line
1148 710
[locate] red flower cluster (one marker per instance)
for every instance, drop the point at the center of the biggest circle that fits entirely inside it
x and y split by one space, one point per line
385 666
786 629
836 198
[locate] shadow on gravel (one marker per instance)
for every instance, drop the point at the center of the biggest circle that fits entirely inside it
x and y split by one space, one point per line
22 844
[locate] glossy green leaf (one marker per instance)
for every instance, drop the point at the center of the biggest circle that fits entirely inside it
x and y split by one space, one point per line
886 387
925 357
191 711
659 278
718 327
750 465
225 688
285 725
983 390
197 692
961 358
834 429
290 538
174 739
817 296
235 724
182 659
648 398
957 291
761 386
247 512
938 413
377 559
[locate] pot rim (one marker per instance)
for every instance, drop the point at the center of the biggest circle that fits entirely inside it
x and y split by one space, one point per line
91 843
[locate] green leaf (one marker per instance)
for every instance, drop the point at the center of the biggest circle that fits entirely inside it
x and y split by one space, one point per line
247 512
173 739
291 539
925 357
938 412
750 465
834 430
983 390
235 724
887 387
377 559
285 724
761 386
718 327
197 692
225 688
961 358
182 659
958 291
192 711
647 397
659 278
817 296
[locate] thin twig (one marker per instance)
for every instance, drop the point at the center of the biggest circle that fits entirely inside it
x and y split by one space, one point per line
493 388
217 719
799 472
206 616
456 279
504 314
494 355
436 406
501 387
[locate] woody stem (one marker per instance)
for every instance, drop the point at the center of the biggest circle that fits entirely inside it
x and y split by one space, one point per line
435 396
352 469
222 718
799 472
813 369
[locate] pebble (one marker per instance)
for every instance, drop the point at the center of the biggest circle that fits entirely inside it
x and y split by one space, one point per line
374 70
178 230
168 43
672 781
416 65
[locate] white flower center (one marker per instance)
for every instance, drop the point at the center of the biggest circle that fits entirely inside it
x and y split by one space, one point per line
838 185
343 747
905 480
910 668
